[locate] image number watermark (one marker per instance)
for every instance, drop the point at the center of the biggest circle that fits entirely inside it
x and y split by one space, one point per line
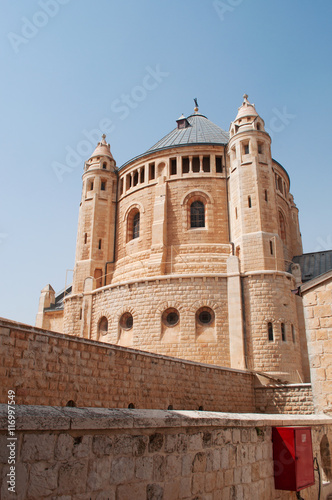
12 439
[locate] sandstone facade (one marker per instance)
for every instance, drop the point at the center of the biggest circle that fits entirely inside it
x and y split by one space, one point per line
47 368
317 299
186 251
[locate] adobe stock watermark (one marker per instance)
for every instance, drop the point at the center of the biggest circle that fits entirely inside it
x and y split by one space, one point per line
281 119
121 107
324 244
224 7
31 27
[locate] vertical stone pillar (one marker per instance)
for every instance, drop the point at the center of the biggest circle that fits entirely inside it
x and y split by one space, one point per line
235 318
87 308
159 228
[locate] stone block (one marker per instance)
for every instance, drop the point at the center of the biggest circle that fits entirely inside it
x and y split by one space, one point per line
64 447
198 483
82 446
38 447
185 487
154 492
107 494
144 468
159 468
43 479
199 463
172 489
131 491
99 471
156 442
72 477
101 445
173 466
210 482
122 470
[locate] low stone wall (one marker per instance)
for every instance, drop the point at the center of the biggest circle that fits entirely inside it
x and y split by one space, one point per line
46 368
99 454
291 399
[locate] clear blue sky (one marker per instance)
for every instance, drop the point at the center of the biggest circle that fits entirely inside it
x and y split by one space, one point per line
69 65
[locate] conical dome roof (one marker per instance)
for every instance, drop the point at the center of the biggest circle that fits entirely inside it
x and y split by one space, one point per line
247 109
102 149
197 130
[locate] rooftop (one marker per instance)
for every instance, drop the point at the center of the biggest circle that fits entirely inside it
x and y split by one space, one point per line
200 130
314 264
196 129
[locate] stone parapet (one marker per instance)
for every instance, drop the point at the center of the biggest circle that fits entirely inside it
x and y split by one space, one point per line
83 453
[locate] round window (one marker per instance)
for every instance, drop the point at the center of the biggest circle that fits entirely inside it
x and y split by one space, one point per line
126 321
103 326
171 317
205 316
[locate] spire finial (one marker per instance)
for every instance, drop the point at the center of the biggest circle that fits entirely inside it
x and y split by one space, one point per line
103 138
245 97
196 104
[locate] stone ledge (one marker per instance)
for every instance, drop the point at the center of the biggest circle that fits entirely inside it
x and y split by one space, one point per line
59 418
282 387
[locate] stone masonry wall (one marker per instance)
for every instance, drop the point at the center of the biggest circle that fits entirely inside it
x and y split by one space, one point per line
83 454
47 368
292 399
147 301
270 300
317 301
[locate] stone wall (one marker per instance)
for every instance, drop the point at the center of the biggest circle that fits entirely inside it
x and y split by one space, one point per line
47 368
317 301
99 454
268 299
291 399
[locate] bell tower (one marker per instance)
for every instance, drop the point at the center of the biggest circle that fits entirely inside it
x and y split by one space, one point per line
96 224
253 213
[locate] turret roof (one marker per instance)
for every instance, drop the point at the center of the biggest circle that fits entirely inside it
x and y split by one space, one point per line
247 109
102 149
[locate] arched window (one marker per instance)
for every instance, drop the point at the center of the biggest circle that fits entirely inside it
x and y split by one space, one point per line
270 332
133 224
282 227
136 225
197 214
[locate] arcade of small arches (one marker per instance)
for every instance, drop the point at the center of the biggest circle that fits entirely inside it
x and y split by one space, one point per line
178 166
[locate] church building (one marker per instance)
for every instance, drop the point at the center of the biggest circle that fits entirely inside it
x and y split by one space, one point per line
192 250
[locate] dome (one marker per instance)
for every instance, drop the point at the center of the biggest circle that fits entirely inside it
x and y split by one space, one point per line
102 149
197 130
247 109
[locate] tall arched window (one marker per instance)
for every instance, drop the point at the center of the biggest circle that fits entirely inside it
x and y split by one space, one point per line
136 226
270 331
282 227
197 214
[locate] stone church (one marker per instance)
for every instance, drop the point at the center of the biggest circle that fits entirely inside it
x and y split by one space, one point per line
191 249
